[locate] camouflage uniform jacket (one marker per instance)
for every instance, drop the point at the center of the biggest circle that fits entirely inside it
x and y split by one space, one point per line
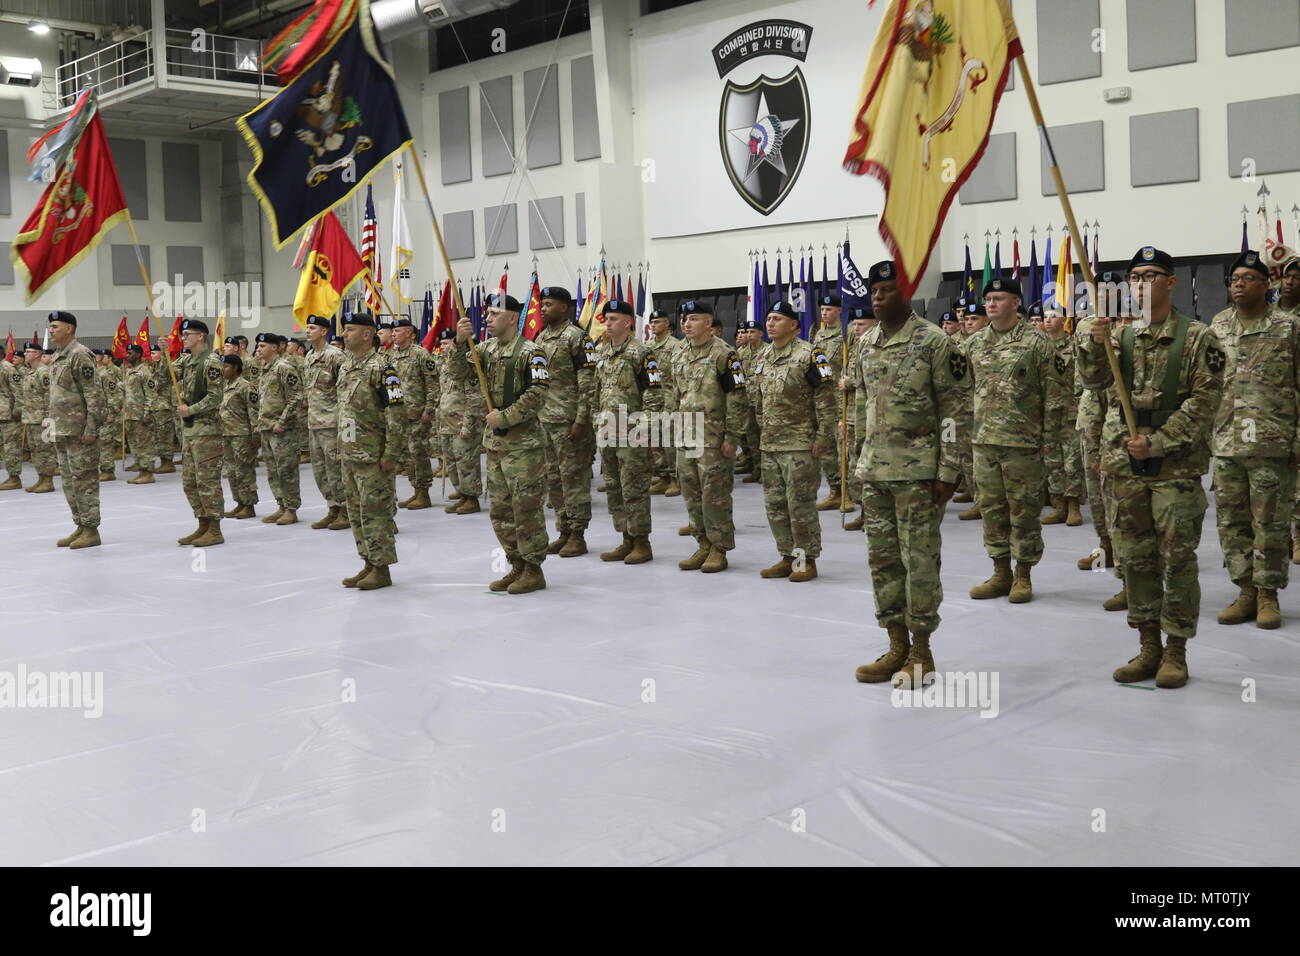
76 403
1260 410
627 375
205 412
419 374
109 381
1019 385
911 390
1068 394
11 403
710 379
571 360
665 350
830 339
320 382
36 394
1093 402
372 418
532 381
279 395
794 397
138 391
239 409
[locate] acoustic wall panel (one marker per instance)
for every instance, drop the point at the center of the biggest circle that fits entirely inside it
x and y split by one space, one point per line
185 261
497 125
1267 133
458 233
1161 33
580 216
501 230
133 171
586 126
1066 40
1253 26
125 270
542 113
994 179
1164 148
546 223
6 200
453 136
182 191
6 267
1079 150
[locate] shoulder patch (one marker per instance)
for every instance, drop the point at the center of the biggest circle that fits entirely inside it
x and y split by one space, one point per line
430 365
291 380
957 365
538 370
652 369
1215 359
252 395
822 362
392 386
87 372
1061 365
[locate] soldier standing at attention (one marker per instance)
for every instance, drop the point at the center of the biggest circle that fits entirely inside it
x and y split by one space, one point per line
372 427
11 423
860 322
460 440
278 409
1255 443
419 375
749 342
161 414
1173 368
627 384
1063 463
320 380
973 321
518 377
1288 290
76 409
1018 408
710 384
36 408
202 386
566 421
910 379
665 345
137 410
830 339
793 394
109 384
239 437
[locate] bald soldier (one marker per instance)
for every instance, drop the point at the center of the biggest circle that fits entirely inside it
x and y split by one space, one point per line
76 408
202 387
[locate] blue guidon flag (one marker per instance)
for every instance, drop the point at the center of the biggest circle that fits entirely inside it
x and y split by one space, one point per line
316 141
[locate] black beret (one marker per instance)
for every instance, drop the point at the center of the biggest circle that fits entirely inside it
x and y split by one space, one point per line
321 320
947 317
133 347
1036 310
660 314
977 309
716 323
1249 260
882 271
32 347
446 334
47 351
831 299
1111 277
1150 255
558 293
194 325
234 360
746 325
385 322
507 303
860 313
783 308
63 317
268 337
620 307
1010 286
961 302
231 340
695 307
403 323
359 318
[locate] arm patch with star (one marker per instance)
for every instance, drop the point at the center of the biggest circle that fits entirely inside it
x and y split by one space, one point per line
1215 359
957 365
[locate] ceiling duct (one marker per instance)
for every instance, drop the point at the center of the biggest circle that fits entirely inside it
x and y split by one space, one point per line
399 18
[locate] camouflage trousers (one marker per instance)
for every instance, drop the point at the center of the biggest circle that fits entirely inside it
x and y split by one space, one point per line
43 453
966 458
418 470
707 483
369 492
901 522
516 482
568 476
280 452
110 435
665 463
1064 465
142 437
1100 505
325 465
627 487
11 447
164 428
78 464
750 453
1010 483
468 455
1156 530
201 475
790 480
830 466
239 462
1253 498
854 483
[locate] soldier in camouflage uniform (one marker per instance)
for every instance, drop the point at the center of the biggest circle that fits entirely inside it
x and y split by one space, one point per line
279 408
239 438
320 381
138 387
1173 368
566 421
627 395
419 374
851 431
460 417
1019 403
749 343
793 395
1255 443
909 380
11 423
161 414
372 430
829 337
109 383
76 409
36 409
202 387
973 321
518 377
294 351
1288 301
665 345
709 381
1064 463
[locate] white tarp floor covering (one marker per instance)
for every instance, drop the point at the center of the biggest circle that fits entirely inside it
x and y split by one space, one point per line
625 715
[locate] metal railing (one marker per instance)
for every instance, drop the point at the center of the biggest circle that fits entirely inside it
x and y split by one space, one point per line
112 68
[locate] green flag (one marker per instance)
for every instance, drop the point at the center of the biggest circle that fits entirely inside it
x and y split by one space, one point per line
988 269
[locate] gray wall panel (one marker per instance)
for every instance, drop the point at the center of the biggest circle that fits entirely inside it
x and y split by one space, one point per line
458 232
546 223
1164 148
497 106
125 270
580 216
1266 131
1161 33
542 105
1256 25
586 126
1079 150
501 230
182 190
6 199
133 170
1065 40
453 136
185 261
6 267
994 178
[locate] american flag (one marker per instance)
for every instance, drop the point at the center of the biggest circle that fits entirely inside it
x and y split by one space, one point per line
370 254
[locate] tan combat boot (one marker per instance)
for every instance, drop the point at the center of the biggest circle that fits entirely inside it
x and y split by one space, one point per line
1268 615
196 533
341 523
849 506
168 467
685 531
89 538
455 496
1144 666
962 498
641 552
1173 666
12 483
352 581
888 663
275 515
575 546
326 520
245 511
1117 601
696 560
376 579
753 478
1106 554
455 503
716 561
144 478
806 573
44 484
530 580
658 485
1022 589
107 476
516 569
419 501
1241 610
621 552
1074 517
918 669
290 516
1295 542
997 586
857 523
673 489
781 569
831 502
233 512
972 513
76 533
467 506
556 546
1057 514
212 536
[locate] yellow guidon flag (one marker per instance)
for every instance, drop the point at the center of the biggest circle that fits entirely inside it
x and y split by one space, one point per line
933 81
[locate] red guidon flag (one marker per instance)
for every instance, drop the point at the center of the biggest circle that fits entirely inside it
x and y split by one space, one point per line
9 348
142 340
121 339
533 320
444 318
174 340
82 201
332 265
932 85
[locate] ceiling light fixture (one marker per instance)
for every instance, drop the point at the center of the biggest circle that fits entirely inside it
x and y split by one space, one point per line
39 27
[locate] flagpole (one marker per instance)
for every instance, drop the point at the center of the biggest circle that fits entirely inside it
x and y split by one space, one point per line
1089 279
148 289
